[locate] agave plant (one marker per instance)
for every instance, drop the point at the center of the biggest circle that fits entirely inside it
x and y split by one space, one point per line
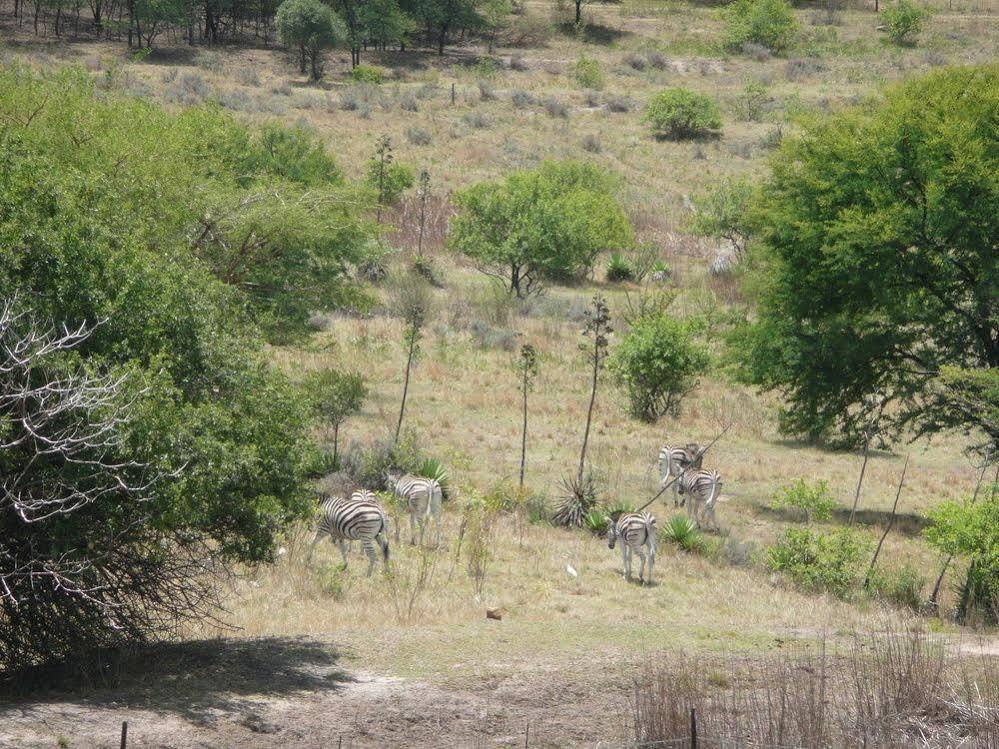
579 500
596 522
431 468
683 532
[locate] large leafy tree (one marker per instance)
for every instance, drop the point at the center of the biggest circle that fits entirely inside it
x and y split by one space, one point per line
879 264
312 28
545 223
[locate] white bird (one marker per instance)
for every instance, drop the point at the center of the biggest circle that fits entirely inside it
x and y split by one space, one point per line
572 572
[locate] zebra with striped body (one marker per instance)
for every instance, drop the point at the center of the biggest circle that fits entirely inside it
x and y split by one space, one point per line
423 497
358 518
673 461
637 534
703 487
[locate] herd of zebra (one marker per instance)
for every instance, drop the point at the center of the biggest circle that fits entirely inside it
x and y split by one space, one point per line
361 518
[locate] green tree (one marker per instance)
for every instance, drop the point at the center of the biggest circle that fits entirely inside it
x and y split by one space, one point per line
527 369
724 213
335 397
383 23
541 224
312 28
971 531
413 303
442 16
903 22
879 269
770 23
657 363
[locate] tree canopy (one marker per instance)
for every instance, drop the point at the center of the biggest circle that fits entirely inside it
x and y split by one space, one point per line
546 223
879 264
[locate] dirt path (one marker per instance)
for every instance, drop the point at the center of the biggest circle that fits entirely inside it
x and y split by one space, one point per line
294 692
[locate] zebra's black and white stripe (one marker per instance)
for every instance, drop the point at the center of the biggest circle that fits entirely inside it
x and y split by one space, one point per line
424 498
674 460
356 519
636 532
703 488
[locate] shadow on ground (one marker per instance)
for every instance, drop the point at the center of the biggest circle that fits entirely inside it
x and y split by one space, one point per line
906 523
197 679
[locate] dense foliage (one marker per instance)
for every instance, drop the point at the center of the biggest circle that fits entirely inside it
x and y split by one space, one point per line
548 223
117 236
681 113
770 23
903 22
879 264
971 532
822 562
657 363
312 28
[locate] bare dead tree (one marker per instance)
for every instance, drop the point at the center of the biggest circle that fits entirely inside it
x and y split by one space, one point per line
81 566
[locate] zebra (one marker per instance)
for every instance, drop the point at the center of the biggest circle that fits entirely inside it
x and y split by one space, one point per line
360 518
704 487
637 531
675 460
423 501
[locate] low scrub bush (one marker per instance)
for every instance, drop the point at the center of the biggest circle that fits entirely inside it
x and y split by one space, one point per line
591 143
418 136
819 562
901 587
367 74
556 108
619 103
522 99
587 73
681 113
769 23
903 22
812 500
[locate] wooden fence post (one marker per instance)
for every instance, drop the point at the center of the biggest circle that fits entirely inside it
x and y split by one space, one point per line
693 728
124 734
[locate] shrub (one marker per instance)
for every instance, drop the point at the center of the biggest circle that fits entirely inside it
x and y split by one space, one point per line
579 499
418 136
391 180
486 91
432 468
517 62
596 522
521 99
682 531
540 224
587 73
367 74
681 113
619 103
753 101
619 269
657 363
813 501
770 23
820 562
903 22
555 108
635 61
591 143
902 586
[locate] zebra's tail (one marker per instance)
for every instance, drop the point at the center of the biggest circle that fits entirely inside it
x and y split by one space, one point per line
382 537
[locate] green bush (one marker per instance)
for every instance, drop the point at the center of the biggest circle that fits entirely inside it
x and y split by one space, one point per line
549 223
367 74
903 22
813 501
619 269
681 113
820 562
389 180
657 363
596 522
587 73
902 586
681 531
770 23
432 468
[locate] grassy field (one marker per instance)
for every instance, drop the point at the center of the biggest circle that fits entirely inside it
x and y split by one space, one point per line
562 650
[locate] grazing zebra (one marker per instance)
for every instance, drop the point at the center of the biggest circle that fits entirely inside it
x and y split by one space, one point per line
703 486
360 518
423 501
675 460
637 531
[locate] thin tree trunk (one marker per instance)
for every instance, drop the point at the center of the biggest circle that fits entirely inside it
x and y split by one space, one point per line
579 11
891 522
336 444
405 387
523 436
860 481
589 411
423 224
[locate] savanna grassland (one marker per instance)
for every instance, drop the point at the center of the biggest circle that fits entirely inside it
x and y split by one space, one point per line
311 652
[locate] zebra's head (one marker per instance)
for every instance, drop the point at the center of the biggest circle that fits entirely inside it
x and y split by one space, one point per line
392 478
611 533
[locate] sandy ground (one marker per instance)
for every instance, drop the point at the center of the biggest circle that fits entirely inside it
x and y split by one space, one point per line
294 692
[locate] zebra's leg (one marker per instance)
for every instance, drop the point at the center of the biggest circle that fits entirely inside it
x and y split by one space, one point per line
382 540
412 528
369 549
641 570
312 546
343 550
626 559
